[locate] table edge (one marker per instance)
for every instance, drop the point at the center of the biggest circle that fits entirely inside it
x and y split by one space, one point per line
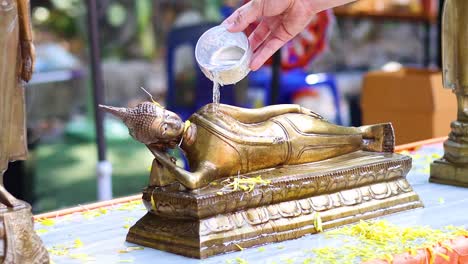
92 206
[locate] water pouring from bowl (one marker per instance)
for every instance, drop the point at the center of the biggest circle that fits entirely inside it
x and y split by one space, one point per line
223 57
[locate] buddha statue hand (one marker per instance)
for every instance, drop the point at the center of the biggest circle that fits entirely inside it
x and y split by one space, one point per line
187 179
28 54
163 158
309 112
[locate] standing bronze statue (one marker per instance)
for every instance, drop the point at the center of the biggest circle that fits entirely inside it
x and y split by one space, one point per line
305 166
453 167
19 241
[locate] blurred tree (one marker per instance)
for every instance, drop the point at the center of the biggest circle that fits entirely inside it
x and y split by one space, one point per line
126 26
129 28
58 16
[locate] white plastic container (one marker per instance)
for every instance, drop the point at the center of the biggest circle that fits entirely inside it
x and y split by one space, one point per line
223 57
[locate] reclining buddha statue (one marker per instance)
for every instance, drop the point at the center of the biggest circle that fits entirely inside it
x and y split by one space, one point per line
236 140
304 166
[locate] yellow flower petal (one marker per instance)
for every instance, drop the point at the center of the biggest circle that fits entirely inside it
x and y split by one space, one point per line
318 222
41 231
47 222
78 243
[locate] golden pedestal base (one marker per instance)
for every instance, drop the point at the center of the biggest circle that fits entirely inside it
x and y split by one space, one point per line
341 190
20 242
445 172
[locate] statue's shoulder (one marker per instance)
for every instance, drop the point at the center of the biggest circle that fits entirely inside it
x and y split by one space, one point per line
206 108
217 119
201 112
202 115
208 111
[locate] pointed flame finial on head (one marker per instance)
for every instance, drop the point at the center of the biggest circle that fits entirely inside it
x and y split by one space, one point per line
150 124
119 112
138 119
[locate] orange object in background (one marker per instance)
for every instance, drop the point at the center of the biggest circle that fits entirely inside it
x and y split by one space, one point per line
451 252
430 7
426 8
460 246
413 100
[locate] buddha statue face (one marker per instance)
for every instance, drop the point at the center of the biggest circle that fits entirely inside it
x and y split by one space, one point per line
150 124
168 126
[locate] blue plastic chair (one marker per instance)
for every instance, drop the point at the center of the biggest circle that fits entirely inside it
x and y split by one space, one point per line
294 81
203 87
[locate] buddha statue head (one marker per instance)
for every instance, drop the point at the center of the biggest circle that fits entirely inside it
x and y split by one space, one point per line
151 124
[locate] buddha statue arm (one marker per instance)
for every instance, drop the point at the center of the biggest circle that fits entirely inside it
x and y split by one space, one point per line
250 116
26 45
191 180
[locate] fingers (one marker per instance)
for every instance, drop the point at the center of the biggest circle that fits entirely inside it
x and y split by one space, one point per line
273 43
254 10
244 16
267 38
27 61
27 69
265 51
261 32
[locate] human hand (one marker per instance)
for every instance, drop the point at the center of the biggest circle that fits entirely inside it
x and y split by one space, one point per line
281 20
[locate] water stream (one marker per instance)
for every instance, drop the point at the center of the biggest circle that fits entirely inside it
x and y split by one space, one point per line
221 60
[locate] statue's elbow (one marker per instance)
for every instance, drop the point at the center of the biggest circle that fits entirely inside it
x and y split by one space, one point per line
193 183
196 180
